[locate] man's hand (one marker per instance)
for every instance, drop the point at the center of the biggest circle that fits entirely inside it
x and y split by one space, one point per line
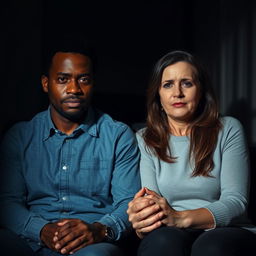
47 234
74 234
144 214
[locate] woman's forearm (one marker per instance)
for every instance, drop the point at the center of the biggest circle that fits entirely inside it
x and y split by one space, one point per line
199 219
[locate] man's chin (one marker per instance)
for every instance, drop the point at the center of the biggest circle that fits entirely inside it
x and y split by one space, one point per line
75 114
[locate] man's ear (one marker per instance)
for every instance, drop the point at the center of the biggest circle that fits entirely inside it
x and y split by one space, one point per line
44 82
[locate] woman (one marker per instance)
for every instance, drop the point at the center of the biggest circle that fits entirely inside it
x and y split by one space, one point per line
194 169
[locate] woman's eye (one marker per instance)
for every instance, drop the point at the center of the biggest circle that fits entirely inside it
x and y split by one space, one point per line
187 84
167 85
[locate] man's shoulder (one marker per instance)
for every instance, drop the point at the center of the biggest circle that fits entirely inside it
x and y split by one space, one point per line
22 128
104 120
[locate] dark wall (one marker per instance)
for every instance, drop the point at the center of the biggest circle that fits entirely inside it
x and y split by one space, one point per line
129 37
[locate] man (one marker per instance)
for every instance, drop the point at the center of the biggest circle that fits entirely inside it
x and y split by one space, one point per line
69 173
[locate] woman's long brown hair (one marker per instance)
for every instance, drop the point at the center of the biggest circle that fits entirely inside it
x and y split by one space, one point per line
204 128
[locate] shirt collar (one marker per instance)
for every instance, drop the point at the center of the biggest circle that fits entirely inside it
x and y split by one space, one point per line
89 125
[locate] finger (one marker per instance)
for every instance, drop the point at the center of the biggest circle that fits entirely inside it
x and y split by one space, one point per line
61 234
145 213
148 221
139 205
163 203
151 192
67 226
64 240
140 193
73 245
63 222
150 228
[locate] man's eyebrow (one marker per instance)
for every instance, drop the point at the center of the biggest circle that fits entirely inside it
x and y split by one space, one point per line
63 74
68 74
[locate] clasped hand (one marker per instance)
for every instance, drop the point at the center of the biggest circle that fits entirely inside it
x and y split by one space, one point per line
69 235
148 211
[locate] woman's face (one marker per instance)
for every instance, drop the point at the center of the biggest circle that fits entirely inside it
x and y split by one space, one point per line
179 94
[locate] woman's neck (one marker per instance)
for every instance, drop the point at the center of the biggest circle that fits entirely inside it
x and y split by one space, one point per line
179 128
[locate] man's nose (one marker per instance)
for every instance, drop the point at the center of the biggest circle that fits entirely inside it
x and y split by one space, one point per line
74 87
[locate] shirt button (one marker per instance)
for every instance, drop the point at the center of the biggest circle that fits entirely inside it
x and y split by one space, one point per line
64 167
64 198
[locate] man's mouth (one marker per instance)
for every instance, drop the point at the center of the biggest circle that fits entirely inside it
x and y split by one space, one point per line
73 103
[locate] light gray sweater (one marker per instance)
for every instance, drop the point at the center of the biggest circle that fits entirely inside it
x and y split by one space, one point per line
225 195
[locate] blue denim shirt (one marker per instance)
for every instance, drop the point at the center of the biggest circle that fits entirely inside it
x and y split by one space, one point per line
91 174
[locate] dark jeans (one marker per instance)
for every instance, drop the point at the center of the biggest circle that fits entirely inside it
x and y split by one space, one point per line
12 245
170 241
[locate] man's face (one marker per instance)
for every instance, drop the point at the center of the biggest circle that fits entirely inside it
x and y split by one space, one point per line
69 85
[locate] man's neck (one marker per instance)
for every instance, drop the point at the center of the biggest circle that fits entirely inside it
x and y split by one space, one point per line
64 124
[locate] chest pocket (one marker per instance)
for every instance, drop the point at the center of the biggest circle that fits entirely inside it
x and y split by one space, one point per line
94 176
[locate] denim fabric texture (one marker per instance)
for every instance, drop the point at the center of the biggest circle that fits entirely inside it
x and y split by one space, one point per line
47 175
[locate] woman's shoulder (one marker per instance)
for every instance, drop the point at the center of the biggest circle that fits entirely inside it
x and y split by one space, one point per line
230 121
139 135
141 131
231 126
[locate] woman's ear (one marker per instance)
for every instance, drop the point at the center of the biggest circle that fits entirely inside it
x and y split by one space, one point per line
44 82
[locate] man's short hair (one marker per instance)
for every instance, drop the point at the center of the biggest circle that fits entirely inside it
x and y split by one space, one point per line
69 45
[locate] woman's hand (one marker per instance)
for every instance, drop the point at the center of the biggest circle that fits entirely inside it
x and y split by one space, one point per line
200 218
170 216
144 214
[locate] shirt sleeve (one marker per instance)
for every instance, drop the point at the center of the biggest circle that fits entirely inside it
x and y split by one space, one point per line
125 182
14 210
147 166
234 175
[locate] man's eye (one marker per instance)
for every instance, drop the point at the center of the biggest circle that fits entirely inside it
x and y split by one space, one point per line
84 80
62 79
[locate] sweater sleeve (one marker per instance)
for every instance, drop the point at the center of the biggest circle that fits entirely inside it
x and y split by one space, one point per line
234 174
147 165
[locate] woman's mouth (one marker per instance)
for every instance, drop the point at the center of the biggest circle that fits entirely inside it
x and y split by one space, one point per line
178 104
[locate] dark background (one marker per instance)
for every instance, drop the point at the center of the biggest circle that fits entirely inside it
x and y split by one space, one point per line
129 37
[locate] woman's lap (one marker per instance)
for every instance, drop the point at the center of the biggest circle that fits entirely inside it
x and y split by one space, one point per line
220 241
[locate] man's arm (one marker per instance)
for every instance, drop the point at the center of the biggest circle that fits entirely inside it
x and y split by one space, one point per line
15 214
125 182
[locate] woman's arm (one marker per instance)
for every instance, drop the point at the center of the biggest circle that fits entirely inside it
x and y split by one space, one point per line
199 218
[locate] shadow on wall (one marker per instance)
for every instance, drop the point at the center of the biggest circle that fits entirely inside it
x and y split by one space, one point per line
127 108
241 110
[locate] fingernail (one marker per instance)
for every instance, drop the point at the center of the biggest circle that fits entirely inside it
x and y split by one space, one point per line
63 250
57 246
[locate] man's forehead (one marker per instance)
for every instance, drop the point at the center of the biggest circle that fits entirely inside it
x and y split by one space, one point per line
68 62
